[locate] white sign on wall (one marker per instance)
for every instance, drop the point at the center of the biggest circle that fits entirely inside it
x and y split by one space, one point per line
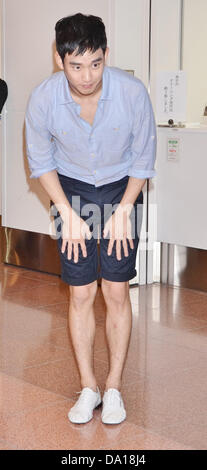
171 96
173 145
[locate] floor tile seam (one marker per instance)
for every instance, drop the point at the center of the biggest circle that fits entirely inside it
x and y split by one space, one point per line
68 348
45 363
54 281
23 270
34 385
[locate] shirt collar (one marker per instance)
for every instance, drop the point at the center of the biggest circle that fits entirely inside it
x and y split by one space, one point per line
65 95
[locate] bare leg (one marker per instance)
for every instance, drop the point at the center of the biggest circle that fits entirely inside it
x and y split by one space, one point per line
82 329
118 328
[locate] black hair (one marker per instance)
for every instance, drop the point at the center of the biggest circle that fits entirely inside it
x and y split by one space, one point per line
80 32
3 93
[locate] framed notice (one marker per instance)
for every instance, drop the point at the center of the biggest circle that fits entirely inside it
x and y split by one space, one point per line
171 96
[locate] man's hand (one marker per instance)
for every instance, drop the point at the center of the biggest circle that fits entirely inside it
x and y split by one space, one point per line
74 231
118 226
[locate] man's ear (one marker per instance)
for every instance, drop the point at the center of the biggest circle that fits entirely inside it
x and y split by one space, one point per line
106 54
59 61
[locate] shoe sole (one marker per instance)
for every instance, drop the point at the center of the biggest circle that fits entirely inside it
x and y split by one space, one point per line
118 422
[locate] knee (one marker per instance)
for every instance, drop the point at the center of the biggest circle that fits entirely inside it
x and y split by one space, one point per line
80 295
115 292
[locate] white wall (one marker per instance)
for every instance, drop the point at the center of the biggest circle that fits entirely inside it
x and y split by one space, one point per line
165 39
194 57
132 36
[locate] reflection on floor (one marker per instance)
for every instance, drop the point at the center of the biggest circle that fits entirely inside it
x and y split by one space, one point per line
165 376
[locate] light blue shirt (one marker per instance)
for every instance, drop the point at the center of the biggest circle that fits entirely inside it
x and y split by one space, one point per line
121 141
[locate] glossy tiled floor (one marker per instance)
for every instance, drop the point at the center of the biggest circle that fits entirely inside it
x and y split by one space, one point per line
165 376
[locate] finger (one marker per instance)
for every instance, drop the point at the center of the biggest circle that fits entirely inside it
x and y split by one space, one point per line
88 234
118 249
83 248
85 231
125 246
64 243
69 249
131 243
110 246
75 252
105 232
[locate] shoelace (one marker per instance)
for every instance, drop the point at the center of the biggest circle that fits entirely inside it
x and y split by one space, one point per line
112 396
83 396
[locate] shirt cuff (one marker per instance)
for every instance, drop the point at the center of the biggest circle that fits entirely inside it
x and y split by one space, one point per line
37 173
142 174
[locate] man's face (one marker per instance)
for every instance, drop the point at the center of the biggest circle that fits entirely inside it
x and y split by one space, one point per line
84 72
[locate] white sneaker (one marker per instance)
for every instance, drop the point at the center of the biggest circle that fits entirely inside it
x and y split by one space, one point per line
113 411
82 411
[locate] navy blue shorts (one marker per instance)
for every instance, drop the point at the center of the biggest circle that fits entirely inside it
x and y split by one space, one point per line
98 264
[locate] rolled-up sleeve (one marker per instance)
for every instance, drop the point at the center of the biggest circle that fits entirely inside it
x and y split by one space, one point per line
39 144
144 139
